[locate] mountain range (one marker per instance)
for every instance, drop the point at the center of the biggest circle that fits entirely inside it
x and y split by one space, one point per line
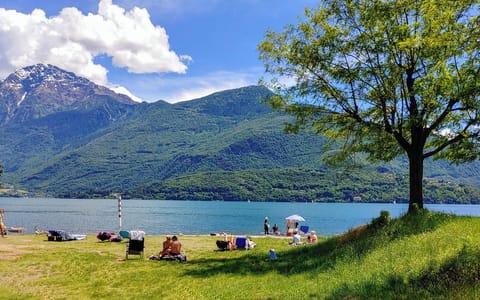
64 136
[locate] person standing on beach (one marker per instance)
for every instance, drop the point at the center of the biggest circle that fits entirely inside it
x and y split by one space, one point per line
289 224
3 228
266 226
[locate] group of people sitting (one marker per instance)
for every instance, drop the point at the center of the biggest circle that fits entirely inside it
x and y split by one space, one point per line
171 250
172 246
290 230
297 239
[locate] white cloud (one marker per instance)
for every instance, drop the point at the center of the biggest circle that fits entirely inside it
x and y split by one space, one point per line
72 40
447 132
124 91
178 88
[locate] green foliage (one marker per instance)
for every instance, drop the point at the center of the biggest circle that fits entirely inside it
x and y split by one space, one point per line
383 220
384 78
325 185
351 65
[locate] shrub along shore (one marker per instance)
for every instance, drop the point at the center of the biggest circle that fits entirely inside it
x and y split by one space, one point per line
419 256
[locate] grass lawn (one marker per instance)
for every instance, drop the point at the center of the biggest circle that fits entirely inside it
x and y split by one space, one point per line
424 256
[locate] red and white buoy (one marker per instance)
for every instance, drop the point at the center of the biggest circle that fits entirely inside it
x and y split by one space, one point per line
120 212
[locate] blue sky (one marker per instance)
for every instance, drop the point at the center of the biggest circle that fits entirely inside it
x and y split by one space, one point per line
171 50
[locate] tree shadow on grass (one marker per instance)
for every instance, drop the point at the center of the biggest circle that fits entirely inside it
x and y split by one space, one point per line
352 246
453 277
296 260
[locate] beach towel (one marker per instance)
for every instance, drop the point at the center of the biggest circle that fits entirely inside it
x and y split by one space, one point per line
62 235
137 235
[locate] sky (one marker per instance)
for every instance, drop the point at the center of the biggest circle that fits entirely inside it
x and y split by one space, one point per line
171 50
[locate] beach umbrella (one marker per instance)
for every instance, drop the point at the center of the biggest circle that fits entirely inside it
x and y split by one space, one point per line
295 218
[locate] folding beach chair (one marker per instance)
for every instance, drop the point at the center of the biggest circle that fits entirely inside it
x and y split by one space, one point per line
241 243
135 243
124 234
304 229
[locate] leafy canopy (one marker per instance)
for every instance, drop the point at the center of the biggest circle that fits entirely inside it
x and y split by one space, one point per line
384 76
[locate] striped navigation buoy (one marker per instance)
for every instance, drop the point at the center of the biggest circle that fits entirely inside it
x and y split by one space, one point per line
120 212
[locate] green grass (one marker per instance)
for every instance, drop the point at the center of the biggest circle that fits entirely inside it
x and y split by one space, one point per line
423 256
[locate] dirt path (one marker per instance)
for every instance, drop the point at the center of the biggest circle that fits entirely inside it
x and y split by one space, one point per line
13 246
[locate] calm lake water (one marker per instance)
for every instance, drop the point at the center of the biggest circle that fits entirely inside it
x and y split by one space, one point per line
158 217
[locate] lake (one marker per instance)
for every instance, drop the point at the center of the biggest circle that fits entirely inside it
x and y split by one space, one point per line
159 217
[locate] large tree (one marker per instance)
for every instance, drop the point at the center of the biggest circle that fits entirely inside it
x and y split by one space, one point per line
386 77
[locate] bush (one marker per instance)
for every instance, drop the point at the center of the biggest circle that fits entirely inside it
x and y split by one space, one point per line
383 220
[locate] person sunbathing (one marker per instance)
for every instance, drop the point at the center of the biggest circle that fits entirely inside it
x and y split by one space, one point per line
312 237
40 231
167 246
175 251
296 240
176 246
276 231
166 249
231 241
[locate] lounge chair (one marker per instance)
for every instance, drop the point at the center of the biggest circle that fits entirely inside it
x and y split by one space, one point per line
304 229
136 243
124 234
241 243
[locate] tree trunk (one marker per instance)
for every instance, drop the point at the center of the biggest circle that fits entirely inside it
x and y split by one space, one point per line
416 180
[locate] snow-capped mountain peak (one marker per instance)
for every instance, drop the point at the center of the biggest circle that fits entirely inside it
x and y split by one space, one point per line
41 89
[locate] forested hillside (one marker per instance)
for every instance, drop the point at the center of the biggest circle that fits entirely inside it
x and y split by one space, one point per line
226 146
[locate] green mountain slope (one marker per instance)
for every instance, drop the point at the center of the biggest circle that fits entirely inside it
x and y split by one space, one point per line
227 146
121 160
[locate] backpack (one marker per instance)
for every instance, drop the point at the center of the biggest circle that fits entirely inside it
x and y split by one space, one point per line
222 245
